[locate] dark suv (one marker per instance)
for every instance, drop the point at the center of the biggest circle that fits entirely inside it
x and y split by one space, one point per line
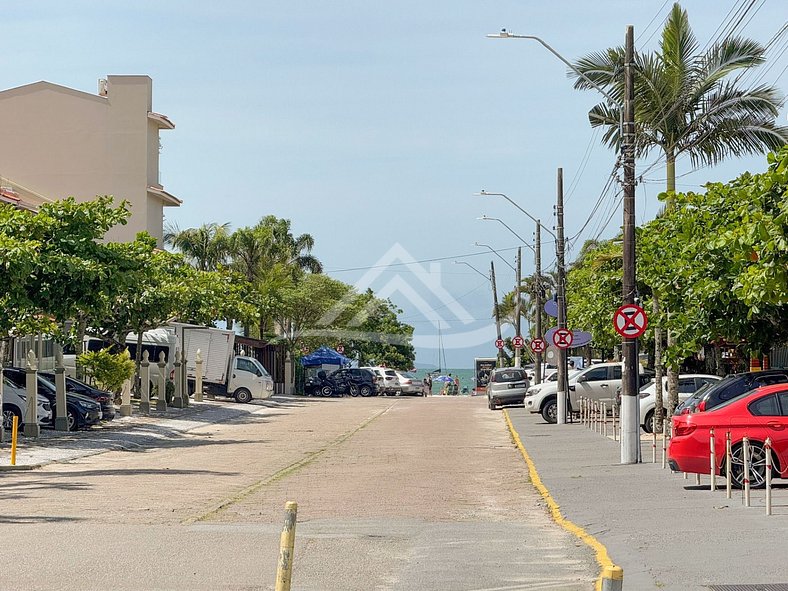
729 388
105 399
362 378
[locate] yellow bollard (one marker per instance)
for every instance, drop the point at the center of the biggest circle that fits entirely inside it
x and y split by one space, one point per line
14 431
612 578
284 570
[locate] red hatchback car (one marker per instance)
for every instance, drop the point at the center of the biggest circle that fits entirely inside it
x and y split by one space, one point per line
756 415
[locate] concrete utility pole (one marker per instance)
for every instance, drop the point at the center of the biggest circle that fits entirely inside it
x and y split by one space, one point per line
517 359
563 383
495 309
539 303
630 423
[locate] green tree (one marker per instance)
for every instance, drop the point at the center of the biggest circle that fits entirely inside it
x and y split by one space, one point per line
206 248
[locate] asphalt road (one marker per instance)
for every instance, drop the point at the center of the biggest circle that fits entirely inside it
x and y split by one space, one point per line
393 494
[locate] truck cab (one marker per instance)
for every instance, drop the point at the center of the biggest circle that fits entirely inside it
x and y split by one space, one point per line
249 380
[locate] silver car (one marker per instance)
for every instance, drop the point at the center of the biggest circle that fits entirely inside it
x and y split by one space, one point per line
15 404
507 385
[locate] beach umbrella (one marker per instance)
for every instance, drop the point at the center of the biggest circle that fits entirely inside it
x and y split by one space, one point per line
443 379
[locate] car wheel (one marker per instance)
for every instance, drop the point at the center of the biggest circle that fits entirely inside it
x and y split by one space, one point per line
365 391
648 422
242 395
72 420
353 390
9 412
491 405
326 391
757 465
550 410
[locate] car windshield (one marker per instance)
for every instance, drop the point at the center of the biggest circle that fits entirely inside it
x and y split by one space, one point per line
509 375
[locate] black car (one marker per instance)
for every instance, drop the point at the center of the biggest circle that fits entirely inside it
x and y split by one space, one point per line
363 379
730 387
105 399
81 411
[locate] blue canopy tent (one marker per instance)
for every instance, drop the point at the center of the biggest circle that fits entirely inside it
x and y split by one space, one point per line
324 356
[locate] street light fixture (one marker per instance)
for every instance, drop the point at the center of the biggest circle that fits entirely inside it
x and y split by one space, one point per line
484 193
496 253
472 267
505 225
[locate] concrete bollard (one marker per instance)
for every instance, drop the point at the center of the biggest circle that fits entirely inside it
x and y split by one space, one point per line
32 428
14 435
161 397
198 376
712 461
145 379
746 470
284 570
728 462
125 399
177 399
612 578
767 448
61 417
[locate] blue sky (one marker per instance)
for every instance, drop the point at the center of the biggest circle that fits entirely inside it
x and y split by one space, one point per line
371 124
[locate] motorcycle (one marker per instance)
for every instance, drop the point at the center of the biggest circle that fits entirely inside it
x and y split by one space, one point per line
327 386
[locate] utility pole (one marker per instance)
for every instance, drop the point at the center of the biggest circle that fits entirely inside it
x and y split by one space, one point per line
517 360
495 309
563 385
539 304
630 423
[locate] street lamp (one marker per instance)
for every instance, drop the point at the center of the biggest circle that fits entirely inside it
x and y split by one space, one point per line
484 193
472 267
496 253
505 225
630 422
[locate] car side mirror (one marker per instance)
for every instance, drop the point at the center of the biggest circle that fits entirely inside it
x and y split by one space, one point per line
581 379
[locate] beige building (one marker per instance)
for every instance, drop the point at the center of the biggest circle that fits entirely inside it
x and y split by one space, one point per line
59 142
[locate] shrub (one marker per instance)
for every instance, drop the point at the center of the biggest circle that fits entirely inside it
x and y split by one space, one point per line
108 370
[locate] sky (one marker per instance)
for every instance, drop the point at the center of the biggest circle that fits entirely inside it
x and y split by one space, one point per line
370 125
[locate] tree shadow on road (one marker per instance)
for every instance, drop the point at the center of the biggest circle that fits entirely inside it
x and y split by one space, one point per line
18 519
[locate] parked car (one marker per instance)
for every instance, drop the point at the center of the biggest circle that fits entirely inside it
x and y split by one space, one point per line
15 404
409 384
386 380
756 414
105 399
688 385
81 411
596 382
729 388
507 385
362 380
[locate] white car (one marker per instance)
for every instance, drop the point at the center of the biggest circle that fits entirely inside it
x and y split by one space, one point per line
409 384
386 380
15 404
688 385
541 398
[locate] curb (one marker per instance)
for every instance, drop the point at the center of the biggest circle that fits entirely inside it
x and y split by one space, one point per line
19 467
600 551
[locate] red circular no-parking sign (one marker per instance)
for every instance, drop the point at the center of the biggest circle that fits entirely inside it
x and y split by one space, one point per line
517 342
340 349
630 321
562 338
499 343
538 345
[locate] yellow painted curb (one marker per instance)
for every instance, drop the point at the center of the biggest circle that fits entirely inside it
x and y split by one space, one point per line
599 549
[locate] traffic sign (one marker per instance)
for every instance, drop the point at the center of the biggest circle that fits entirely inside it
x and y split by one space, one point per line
538 345
499 343
562 338
517 342
630 321
340 349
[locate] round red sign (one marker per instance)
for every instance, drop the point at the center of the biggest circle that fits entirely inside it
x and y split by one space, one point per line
562 338
499 343
517 342
630 321
538 345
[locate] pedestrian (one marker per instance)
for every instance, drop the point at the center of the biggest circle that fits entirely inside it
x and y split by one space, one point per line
456 385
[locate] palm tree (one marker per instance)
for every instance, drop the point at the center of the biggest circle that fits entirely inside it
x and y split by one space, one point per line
205 248
687 102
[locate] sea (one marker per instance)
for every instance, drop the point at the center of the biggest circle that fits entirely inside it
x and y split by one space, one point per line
466 376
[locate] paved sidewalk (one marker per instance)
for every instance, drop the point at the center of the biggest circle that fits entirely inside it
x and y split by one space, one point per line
138 431
664 531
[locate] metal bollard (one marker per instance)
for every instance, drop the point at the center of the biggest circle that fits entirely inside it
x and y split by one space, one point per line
604 419
612 578
712 461
664 443
14 433
746 472
728 475
767 448
284 570
653 446
697 479
615 426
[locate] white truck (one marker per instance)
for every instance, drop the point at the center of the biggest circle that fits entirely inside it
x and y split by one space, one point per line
224 373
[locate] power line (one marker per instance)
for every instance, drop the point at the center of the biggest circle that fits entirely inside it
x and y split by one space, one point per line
401 264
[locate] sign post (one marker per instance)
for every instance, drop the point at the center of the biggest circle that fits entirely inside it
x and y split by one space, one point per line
630 321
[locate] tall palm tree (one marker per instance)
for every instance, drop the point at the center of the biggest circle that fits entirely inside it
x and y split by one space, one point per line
686 100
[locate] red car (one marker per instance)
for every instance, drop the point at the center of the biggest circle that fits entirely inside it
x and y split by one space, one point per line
758 414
